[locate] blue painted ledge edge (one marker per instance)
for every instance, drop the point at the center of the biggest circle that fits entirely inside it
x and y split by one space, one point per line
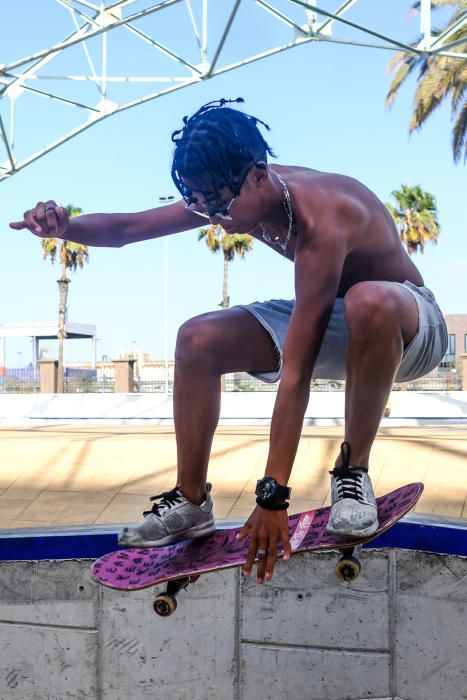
441 535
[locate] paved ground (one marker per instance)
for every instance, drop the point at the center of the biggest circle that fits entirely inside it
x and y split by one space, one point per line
86 474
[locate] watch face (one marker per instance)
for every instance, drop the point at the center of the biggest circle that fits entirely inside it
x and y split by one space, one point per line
266 488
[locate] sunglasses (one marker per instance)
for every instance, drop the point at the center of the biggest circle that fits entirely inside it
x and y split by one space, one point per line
221 213
206 214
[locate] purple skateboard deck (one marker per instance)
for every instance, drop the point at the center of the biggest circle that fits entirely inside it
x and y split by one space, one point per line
133 569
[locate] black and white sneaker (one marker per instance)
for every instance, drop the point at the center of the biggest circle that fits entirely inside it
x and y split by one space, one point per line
173 518
354 511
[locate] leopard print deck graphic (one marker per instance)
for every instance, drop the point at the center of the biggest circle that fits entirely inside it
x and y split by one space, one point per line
132 569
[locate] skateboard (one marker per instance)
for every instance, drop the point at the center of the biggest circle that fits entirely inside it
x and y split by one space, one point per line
181 563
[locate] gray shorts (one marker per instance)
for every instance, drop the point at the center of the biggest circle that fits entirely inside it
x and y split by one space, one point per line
421 355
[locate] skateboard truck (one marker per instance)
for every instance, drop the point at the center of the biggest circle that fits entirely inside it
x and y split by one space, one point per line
166 603
348 567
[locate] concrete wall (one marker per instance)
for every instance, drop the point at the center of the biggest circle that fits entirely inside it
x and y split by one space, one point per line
398 631
327 408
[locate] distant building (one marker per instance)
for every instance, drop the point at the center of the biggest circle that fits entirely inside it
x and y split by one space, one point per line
457 329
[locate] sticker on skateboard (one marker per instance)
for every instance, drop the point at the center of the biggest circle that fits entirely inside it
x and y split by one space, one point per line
182 562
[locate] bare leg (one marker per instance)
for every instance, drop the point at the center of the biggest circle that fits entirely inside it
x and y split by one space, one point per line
382 319
207 347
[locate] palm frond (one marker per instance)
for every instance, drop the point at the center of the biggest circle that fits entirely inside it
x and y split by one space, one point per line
49 248
436 4
416 217
230 243
458 93
406 65
439 77
459 135
446 78
73 211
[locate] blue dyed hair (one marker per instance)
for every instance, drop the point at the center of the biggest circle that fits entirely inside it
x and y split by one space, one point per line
215 148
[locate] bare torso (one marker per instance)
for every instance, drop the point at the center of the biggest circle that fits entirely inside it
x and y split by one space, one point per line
375 251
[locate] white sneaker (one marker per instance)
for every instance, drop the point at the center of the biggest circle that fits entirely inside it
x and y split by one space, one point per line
354 512
173 518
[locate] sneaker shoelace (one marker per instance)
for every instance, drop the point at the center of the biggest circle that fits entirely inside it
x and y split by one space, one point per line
349 483
168 500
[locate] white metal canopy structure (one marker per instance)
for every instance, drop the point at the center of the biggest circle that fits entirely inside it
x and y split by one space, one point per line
121 54
45 330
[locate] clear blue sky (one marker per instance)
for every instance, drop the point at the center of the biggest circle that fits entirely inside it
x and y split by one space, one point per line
325 106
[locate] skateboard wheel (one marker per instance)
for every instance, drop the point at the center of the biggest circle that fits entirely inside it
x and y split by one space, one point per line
165 604
348 569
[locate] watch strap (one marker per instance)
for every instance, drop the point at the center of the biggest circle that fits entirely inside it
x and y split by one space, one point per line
283 491
272 505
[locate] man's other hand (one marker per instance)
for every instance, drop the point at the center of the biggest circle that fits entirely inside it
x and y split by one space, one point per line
47 220
269 536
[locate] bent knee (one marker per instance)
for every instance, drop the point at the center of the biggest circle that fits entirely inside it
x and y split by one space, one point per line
372 306
200 340
194 337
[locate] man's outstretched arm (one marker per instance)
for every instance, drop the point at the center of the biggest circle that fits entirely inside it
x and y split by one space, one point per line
48 219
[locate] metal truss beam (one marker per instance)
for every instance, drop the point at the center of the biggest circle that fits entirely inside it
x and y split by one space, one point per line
94 23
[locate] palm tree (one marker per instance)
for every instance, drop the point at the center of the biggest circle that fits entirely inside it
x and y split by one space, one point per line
231 244
71 256
439 77
415 216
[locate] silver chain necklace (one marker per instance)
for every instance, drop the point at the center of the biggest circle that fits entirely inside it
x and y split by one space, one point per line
288 210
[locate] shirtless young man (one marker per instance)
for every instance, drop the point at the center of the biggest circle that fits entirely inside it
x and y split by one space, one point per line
361 312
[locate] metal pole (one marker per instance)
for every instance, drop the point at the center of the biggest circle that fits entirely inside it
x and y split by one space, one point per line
166 314
2 356
94 351
34 355
425 22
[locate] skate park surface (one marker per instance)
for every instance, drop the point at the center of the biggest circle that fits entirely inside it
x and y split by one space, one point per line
397 632
87 474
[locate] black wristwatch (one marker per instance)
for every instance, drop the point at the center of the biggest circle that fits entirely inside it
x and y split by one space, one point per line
271 495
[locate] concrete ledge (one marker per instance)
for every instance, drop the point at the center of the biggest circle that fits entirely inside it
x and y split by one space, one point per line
325 408
397 633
